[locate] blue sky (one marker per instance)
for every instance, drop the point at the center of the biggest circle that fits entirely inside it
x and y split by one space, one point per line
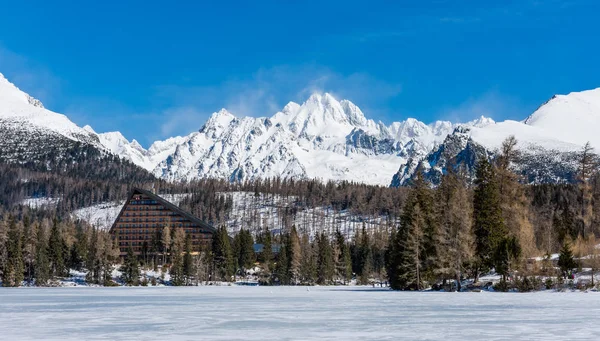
157 69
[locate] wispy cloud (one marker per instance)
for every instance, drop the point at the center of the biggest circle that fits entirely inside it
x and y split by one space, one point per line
265 92
489 104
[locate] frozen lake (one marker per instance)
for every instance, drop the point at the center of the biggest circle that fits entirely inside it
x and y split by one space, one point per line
292 313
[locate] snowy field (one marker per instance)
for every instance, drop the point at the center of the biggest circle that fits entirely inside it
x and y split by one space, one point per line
293 313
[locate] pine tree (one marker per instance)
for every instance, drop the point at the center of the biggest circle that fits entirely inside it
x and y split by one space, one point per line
266 256
56 251
244 250
41 267
223 260
281 267
130 270
365 257
324 260
488 225
14 268
566 262
92 262
308 263
343 260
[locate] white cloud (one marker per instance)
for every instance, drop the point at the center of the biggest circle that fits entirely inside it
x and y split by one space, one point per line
489 104
265 92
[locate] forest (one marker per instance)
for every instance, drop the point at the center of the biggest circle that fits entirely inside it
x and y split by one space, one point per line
532 236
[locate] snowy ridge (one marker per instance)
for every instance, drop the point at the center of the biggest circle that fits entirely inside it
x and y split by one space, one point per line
323 138
20 111
548 140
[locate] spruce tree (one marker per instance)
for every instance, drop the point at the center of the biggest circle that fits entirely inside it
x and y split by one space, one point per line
130 270
281 267
488 225
343 261
365 259
41 267
566 262
324 260
308 269
56 251
223 260
13 273
266 256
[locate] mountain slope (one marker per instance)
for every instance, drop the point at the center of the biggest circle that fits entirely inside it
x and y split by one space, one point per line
548 141
38 139
321 138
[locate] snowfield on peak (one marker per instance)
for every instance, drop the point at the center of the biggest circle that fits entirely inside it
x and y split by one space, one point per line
322 138
19 111
549 141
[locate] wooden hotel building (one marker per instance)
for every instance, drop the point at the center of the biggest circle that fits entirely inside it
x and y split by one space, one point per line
145 215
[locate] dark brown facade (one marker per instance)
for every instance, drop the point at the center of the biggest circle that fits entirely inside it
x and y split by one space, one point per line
145 215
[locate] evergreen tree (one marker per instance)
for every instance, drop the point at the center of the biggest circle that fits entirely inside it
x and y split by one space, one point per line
566 262
56 251
13 273
244 250
308 263
92 262
365 257
41 267
223 260
281 268
130 270
488 225
266 256
324 260
343 260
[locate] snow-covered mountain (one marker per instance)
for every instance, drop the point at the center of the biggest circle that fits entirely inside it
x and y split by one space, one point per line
548 141
321 138
19 111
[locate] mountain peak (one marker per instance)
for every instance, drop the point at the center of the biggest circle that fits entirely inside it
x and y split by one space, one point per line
481 122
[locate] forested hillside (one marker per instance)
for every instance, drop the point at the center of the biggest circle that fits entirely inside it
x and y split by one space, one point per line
424 236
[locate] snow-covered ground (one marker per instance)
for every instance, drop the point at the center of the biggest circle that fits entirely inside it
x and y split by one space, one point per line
39 202
293 313
257 213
